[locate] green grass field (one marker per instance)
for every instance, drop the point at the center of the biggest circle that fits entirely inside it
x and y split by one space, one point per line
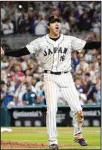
65 138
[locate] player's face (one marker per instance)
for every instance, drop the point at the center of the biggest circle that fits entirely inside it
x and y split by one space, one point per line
54 28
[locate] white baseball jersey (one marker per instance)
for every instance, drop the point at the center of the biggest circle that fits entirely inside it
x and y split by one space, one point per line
56 55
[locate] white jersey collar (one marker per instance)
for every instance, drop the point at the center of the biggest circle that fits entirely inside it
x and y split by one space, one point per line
54 42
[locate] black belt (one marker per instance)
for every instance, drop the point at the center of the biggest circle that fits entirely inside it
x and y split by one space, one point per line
57 73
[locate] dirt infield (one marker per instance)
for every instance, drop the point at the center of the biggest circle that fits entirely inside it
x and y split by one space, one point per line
22 145
26 145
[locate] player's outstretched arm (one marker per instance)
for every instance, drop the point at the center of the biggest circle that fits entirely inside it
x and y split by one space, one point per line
15 53
92 45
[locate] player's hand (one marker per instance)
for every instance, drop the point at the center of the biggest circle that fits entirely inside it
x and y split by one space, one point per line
2 51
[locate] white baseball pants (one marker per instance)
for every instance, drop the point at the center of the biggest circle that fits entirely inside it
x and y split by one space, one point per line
54 84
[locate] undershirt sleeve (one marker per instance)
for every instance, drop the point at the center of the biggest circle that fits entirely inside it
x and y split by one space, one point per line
18 52
92 45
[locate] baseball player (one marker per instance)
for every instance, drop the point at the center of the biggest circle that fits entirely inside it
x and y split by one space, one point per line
55 54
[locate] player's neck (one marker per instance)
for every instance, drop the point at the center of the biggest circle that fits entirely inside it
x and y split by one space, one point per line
52 36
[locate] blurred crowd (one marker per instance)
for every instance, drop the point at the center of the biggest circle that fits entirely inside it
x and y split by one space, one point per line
22 78
31 17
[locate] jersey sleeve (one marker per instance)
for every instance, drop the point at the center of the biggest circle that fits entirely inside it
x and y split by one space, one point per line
33 46
77 44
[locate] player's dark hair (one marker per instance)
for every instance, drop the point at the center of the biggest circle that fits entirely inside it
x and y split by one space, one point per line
48 31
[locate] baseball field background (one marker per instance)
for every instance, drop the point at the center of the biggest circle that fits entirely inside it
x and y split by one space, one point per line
36 138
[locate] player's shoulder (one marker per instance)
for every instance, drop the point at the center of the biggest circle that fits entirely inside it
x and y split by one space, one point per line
43 37
71 37
39 39
67 37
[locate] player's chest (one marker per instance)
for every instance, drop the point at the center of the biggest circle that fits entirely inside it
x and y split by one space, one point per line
55 48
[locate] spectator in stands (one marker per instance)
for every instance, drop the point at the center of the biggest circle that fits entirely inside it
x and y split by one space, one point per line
98 97
20 90
28 72
75 60
24 62
12 62
11 82
98 88
28 82
18 72
56 11
94 92
17 14
39 83
42 11
7 26
6 95
96 25
83 66
93 72
32 15
4 75
98 68
65 27
4 62
72 22
41 96
23 23
3 12
29 97
96 62
65 13
2 90
86 82
84 23
40 26
80 88
88 56
32 64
